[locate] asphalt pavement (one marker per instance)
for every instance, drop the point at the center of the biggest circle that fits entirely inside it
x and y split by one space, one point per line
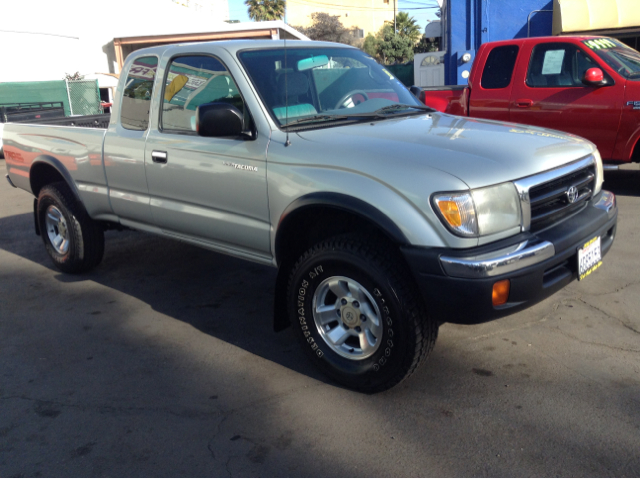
163 362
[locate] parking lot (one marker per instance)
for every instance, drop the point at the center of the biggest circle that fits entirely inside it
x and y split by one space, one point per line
163 362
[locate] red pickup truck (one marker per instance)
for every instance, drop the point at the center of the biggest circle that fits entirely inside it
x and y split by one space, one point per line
588 86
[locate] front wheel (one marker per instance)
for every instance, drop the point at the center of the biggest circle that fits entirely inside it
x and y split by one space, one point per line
356 311
74 242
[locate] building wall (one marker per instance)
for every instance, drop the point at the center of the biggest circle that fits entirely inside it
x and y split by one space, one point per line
66 36
368 15
469 23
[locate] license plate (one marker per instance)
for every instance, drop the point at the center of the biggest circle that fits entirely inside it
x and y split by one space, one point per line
589 258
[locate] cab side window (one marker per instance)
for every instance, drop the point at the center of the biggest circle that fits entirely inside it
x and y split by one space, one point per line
136 99
554 65
190 82
498 69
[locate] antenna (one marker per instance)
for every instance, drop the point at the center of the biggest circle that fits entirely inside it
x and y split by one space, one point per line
286 92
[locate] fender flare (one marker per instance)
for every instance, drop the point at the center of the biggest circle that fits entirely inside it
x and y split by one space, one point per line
334 200
632 144
60 168
346 203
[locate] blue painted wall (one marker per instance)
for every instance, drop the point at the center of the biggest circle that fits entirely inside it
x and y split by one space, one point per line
469 23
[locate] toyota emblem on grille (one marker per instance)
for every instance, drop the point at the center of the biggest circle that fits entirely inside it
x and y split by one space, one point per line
572 194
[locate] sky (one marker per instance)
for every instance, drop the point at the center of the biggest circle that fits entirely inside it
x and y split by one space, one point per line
415 8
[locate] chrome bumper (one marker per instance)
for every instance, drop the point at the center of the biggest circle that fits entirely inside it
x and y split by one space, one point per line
513 258
498 262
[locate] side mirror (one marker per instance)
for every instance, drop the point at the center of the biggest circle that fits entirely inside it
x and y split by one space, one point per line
218 119
594 77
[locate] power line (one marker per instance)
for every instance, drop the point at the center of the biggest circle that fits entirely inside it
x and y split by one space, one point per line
351 7
40 33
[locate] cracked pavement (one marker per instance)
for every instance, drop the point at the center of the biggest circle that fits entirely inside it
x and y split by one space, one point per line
162 362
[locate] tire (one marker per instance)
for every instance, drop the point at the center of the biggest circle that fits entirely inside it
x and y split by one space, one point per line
355 309
74 242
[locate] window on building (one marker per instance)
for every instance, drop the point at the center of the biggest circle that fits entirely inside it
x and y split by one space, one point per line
136 99
557 65
190 82
499 67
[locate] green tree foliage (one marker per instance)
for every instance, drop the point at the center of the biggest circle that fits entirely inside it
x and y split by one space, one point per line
370 45
264 10
389 48
329 28
407 27
426 46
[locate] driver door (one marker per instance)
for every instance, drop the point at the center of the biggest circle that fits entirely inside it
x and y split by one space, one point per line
212 190
553 96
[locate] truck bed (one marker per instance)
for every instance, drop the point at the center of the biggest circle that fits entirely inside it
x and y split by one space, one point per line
73 148
452 99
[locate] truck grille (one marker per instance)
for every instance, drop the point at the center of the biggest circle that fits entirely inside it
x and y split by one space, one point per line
550 201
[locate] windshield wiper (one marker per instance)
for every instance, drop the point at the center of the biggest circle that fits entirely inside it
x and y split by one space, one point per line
400 106
310 119
379 113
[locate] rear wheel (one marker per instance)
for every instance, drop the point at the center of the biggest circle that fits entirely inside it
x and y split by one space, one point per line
74 242
359 316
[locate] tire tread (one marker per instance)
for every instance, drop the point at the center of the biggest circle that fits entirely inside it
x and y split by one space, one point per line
387 257
87 233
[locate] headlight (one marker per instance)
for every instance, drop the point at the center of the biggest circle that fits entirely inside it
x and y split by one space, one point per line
479 212
599 173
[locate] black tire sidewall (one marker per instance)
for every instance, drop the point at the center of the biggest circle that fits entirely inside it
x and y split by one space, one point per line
390 360
51 196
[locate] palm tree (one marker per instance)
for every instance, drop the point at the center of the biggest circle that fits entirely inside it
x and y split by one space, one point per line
263 10
406 26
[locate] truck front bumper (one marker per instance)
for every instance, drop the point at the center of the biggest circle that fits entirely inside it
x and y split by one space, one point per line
457 285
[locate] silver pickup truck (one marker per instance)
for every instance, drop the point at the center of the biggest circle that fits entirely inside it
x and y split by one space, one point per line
384 218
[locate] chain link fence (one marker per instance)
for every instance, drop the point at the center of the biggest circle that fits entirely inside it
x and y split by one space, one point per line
84 97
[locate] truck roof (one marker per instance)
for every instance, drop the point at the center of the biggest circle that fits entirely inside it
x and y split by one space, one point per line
233 46
536 40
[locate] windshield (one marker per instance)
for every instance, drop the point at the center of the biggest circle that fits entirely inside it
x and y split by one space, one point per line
622 58
322 84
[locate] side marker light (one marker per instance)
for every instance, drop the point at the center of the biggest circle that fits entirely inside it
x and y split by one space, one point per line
500 293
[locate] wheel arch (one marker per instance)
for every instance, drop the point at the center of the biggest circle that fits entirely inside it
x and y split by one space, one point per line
46 170
635 151
303 211
308 215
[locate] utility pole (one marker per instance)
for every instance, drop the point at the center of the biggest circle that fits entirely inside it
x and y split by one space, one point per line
394 18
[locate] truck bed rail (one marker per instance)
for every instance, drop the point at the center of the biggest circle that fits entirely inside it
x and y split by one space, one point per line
86 121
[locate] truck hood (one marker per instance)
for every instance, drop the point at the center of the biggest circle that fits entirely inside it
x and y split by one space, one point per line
478 152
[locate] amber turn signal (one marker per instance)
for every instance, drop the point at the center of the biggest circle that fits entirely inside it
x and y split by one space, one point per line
450 212
500 293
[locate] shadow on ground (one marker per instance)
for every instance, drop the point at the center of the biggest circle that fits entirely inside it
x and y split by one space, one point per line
99 379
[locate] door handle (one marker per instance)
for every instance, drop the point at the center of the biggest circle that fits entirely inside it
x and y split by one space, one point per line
159 156
524 103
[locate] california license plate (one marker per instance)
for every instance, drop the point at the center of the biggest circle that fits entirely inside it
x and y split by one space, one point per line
589 258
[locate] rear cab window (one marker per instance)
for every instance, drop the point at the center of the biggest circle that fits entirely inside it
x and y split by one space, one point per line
136 98
498 69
